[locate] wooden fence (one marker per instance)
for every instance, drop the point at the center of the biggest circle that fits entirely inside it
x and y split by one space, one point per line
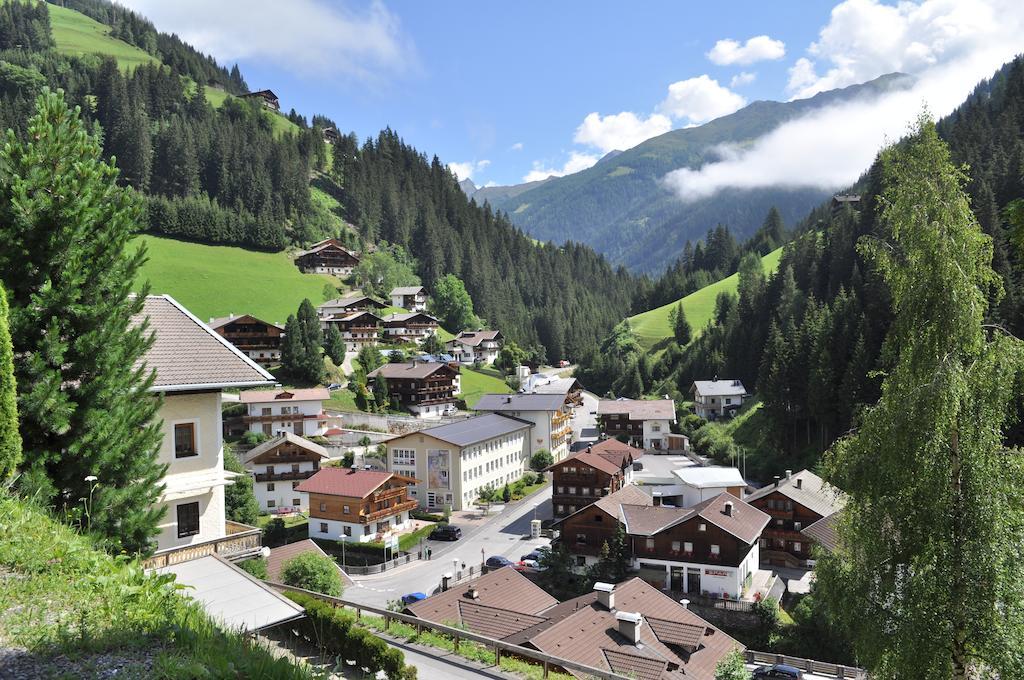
808 665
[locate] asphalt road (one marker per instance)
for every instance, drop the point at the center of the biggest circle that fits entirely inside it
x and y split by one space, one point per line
507 534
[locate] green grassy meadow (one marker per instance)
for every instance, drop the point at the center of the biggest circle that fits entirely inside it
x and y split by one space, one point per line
281 125
652 326
475 384
220 280
77 34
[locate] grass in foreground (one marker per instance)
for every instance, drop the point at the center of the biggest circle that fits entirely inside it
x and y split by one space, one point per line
652 326
77 34
78 610
475 384
220 280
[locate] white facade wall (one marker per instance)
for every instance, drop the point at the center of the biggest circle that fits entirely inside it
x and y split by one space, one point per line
263 356
711 407
311 427
356 533
192 479
540 435
715 579
283 493
655 433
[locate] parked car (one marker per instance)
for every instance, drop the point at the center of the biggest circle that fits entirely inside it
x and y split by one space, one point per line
536 554
778 672
445 532
333 387
413 597
528 566
497 562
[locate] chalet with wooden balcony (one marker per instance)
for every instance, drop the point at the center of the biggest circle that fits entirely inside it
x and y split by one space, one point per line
551 418
411 298
329 256
357 505
794 503
645 423
278 466
357 329
259 340
589 475
343 306
714 399
267 97
331 135
409 327
470 347
271 412
427 390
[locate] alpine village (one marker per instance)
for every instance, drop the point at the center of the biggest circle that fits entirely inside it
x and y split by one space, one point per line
735 393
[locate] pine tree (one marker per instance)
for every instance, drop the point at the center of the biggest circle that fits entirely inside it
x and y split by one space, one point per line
381 394
334 347
85 408
301 349
680 326
10 438
927 572
291 346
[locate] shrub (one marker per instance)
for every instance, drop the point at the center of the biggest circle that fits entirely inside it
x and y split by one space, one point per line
311 571
275 533
541 460
732 667
254 438
426 516
257 566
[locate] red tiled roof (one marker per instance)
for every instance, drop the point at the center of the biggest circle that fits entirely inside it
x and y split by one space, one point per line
346 482
616 451
597 462
503 588
278 556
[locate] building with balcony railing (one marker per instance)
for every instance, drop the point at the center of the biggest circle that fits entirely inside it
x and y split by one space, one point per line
271 412
549 413
357 505
412 298
257 339
470 347
357 328
645 423
278 466
591 474
427 390
409 327
329 256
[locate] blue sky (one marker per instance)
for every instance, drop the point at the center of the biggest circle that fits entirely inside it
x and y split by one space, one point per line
503 92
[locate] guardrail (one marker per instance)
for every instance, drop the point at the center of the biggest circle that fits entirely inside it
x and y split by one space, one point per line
240 541
458 635
808 665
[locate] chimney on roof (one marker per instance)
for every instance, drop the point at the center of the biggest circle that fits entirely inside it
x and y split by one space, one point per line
777 478
629 625
685 603
473 593
728 508
605 594
508 400
715 379
799 483
789 475
415 362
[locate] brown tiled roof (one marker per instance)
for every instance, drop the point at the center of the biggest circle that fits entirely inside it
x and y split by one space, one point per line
322 245
814 493
352 300
593 460
285 395
219 321
405 317
283 438
616 451
493 621
334 481
648 520
187 354
409 371
639 409
503 588
644 666
552 616
686 635
823 532
278 556
627 495
745 523
407 290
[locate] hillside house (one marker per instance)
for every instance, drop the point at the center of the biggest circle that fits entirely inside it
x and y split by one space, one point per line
357 328
645 423
456 461
841 201
278 466
267 97
331 135
411 298
794 503
299 411
629 628
823 533
713 399
709 549
257 339
409 327
427 390
591 474
343 306
470 347
551 418
357 505
329 256
192 364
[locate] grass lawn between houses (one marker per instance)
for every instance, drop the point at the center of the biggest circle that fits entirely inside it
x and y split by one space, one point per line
476 383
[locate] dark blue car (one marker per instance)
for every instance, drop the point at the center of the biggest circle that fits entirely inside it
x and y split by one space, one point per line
497 562
413 597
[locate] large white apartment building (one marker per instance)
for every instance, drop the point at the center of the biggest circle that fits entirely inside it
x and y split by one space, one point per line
550 414
192 364
452 463
299 411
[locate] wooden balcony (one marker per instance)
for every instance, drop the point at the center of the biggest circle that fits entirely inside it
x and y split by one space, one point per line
241 541
284 476
390 512
286 417
384 494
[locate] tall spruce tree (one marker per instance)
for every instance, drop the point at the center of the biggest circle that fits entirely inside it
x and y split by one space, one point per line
334 346
680 326
928 567
82 395
10 438
312 364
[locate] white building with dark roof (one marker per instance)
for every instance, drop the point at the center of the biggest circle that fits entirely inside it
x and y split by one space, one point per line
299 411
411 298
551 418
470 347
454 462
192 365
716 398
644 423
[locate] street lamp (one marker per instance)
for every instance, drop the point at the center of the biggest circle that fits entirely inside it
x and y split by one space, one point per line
535 506
455 565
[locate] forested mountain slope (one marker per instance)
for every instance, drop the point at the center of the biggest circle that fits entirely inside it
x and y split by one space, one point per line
621 207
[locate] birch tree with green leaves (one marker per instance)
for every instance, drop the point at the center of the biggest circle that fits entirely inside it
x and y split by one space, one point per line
928 572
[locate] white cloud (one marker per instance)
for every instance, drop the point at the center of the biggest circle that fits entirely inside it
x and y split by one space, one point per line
577 161
315 38
829 148
620 130
699 100
742 78
865 39
518 146
758 48
467 169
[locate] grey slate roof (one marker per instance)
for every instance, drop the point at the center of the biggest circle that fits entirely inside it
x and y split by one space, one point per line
476 429
520 402
639 409
718 388
813 493
407 290
823 532
187 354
410 370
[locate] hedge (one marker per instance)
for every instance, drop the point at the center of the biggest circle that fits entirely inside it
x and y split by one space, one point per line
332 630
426 516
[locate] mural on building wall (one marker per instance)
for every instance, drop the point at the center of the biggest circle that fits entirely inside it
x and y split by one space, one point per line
437 469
